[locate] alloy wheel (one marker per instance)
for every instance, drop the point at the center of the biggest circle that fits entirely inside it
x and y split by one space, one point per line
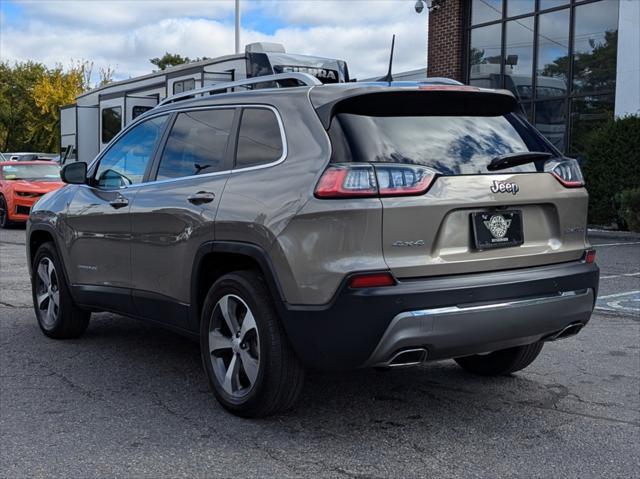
234 346
47 292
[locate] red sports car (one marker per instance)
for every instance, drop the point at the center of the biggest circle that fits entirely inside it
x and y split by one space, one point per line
22 184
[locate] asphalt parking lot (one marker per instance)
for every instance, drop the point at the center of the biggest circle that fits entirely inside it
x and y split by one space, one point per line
131 400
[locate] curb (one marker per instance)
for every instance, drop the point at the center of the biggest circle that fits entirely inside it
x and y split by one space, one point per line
619 235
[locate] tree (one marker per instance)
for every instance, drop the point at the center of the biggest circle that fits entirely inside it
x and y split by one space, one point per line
17 106
106 75
30 99
53 90
593 71
169 60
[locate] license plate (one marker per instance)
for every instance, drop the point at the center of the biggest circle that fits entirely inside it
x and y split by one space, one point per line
497 229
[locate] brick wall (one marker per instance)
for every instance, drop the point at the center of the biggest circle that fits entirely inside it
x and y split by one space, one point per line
446 40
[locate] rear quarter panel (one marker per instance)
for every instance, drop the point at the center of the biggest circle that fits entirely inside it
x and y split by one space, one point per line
259 205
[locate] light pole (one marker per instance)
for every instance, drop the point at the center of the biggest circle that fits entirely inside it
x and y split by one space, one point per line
237 26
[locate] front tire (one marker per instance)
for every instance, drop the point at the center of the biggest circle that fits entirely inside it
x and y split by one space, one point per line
505 361
249 362
57 315
4 214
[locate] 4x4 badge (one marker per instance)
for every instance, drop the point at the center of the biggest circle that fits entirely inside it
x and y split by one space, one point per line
497 226
503 187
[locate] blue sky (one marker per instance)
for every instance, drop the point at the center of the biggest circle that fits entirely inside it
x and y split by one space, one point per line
124 34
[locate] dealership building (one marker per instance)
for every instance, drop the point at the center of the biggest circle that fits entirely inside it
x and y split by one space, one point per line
570 63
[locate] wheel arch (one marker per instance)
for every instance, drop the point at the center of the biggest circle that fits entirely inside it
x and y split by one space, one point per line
216 258
39 235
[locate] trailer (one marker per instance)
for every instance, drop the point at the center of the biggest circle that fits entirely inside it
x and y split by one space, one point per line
87 126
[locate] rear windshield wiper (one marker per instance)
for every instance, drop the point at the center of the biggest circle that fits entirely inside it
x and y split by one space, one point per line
515 159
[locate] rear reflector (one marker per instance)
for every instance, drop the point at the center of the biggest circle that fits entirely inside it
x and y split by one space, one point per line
371 280
590 256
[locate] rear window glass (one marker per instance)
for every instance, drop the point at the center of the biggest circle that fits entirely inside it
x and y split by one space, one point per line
451 145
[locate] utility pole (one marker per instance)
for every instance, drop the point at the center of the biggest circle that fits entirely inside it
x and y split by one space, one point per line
237 26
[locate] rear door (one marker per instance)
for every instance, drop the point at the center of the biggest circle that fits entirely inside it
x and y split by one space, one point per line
173 215
469 219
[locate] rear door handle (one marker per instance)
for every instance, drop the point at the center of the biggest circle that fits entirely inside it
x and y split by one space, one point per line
119 202
201 197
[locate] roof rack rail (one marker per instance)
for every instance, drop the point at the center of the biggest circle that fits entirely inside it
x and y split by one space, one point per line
304 78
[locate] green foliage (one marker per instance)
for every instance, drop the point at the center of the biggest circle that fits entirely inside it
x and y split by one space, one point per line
612 164
53 90
594 71
169 60
630 208
17 105
30 99
172 59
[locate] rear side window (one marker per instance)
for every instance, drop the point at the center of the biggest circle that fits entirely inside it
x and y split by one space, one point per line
259 138
197 143
451 145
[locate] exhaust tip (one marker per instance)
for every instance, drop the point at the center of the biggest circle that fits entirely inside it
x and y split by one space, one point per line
566 332
407 357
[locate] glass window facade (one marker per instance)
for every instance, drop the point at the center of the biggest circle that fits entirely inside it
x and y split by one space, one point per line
558 57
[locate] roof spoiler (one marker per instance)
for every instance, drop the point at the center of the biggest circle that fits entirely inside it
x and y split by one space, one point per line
436 100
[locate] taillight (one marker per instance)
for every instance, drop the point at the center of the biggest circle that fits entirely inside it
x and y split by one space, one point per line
401 180
371 280
589 256
347 181
566 171
366 180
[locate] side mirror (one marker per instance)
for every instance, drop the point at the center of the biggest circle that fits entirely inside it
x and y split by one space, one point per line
74 173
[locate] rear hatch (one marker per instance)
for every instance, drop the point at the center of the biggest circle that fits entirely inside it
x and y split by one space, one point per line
427 152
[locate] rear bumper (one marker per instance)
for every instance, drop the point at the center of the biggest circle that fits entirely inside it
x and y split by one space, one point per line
448 316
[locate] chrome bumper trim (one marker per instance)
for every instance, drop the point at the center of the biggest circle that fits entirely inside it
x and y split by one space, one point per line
465 329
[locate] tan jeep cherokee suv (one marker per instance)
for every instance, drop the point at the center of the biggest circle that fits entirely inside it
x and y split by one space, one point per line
324 226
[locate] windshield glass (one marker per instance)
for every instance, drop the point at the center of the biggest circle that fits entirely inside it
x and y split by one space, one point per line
451 145
31 172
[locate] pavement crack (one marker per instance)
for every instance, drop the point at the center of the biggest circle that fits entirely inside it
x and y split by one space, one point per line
164 406
581 414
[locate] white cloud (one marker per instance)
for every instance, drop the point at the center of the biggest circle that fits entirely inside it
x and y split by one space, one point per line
125 34
341 12
120 14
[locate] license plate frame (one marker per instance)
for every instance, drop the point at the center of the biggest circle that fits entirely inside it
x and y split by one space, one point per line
497 229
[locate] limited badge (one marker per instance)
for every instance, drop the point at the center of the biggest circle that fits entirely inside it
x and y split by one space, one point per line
497 226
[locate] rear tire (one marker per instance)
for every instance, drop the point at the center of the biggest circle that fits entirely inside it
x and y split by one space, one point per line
4 214
505 361
250 365
57 315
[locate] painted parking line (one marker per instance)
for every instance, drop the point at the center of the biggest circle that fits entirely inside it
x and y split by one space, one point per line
621 275
615 244
628 302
